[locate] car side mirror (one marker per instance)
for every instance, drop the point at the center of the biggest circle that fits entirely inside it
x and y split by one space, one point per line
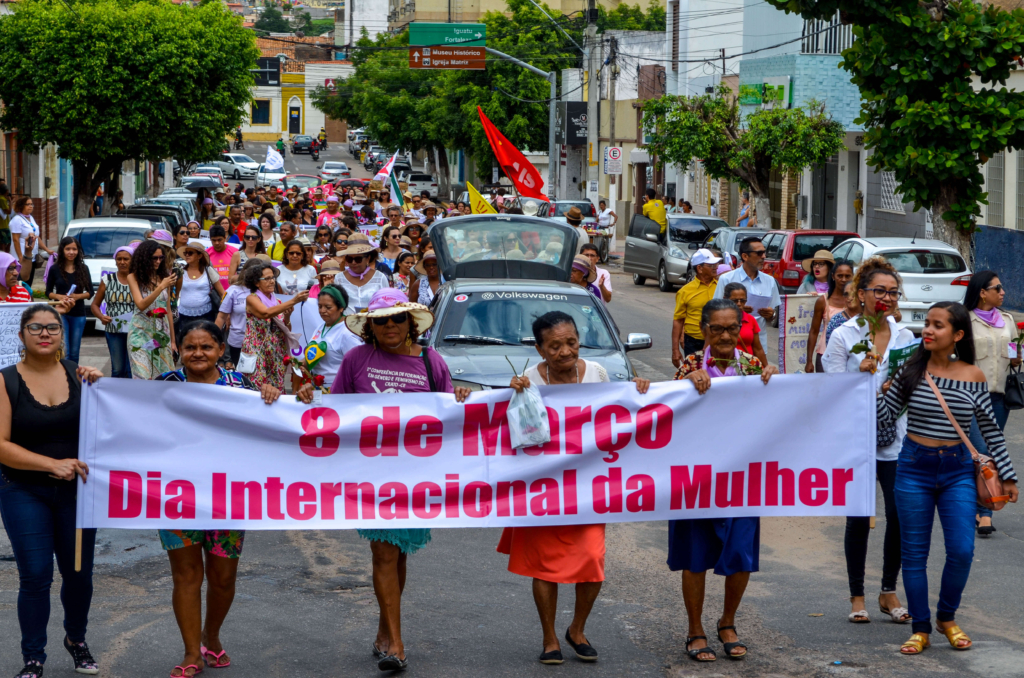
693 246
637 341
653 237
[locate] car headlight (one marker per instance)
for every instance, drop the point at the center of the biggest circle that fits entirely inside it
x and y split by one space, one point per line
470 385
676 252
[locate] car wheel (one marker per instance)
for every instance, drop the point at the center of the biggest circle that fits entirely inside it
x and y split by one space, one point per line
638 279
238 175
663 284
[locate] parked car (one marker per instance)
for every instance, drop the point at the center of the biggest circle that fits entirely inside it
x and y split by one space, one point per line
725 242
213 171
786 250
186 201
559 208
358 184
485 310
353 132
168 217
238 165
647 255
301 180
423 182
334 170
268 178
931 270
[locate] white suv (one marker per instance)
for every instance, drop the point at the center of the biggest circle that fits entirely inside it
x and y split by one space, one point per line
422 182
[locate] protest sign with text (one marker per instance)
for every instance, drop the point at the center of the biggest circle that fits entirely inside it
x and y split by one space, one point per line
197 456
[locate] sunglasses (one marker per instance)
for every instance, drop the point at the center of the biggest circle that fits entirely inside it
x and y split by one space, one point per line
355 259
997 288
341 242
252 237
397 318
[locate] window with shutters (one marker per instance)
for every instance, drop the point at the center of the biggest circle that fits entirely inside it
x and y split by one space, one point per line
891 200
996 187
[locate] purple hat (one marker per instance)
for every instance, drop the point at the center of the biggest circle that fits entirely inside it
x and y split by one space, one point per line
387 302
348 203
332 198
163 237
723 268
207 201
126 248
5 263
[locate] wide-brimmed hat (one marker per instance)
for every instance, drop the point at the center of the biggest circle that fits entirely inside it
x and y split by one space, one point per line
427 205
304 241
420 268
358 243
387 302
196 245
820 255
405 241
329 267
574 216
583 263
410 224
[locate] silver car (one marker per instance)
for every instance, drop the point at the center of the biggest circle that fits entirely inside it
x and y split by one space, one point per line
649 255
333 170
238 166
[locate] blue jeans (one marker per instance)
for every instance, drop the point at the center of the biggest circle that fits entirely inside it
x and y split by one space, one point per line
930 478
40 522
74 328
1002 414
117 344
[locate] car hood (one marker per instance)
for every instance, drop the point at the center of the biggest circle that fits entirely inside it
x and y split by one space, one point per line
486 365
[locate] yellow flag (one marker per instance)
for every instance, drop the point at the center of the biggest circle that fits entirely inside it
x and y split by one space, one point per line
477 202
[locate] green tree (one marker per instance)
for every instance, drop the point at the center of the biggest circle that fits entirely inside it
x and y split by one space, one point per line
118 81
272 21
709 127
932 80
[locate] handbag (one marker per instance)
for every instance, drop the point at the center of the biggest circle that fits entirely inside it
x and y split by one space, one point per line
991 493
246 363
1013 393
213 278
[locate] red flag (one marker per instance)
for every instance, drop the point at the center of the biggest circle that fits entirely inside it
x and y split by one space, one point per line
521 171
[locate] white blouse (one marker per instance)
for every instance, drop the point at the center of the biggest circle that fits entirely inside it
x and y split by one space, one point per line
359 297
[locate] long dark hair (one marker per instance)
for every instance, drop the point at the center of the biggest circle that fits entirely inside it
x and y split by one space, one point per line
81 272
979 281
832 274
142 267
911 374
261 248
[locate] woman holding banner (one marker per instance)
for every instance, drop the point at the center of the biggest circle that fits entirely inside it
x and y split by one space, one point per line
877 291
562 554
389 328
40 406
731 546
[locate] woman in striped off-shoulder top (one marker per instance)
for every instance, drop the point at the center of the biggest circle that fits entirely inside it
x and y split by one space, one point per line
935 469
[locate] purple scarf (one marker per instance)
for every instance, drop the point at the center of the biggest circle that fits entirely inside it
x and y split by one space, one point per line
369 271
991 318
714 371
269 302
820 287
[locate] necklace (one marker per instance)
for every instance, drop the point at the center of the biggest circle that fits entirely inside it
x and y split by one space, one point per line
548 378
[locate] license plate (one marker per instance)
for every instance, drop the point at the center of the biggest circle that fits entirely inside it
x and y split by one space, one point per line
920 315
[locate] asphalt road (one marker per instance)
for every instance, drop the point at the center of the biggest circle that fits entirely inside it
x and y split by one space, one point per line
305 604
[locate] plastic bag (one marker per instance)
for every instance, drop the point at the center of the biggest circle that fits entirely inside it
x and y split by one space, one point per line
528 419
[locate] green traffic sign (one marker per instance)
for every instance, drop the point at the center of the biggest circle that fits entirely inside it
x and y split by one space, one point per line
468 35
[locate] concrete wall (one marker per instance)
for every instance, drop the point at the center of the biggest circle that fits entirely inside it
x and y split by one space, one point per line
763 26
813 77
884 223
998 249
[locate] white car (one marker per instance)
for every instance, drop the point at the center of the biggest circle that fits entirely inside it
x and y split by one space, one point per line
931 270
422 182
333 170
211 171
186 200
238 165
275 177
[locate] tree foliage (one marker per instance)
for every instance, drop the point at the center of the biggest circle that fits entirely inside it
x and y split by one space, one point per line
932 79
272 21
118 80
708 127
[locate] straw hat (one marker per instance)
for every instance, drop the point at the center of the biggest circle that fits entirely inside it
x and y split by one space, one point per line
574 216
358 243
420 268
405 241
196 245
303 240
387 302
329 267
820 255
582 262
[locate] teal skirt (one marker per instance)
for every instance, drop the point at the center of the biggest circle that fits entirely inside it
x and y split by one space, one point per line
408 541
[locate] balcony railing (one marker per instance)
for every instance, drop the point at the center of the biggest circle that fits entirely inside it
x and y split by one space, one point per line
826 37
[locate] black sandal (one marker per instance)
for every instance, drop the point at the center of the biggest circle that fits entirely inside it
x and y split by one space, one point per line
984 530
392 663
695 654
730 646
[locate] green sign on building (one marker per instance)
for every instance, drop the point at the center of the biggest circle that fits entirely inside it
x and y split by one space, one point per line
751 95
453 35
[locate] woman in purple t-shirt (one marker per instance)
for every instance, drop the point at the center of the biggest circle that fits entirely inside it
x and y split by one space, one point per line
391 361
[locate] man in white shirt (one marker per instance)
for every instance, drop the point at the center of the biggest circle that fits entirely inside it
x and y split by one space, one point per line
758 284
603 280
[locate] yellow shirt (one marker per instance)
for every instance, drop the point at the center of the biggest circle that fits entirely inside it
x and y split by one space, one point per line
277 251
690 300
655 211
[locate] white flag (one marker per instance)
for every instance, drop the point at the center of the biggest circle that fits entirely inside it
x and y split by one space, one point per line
274 159
385 170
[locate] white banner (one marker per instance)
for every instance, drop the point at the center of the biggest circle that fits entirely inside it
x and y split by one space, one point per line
198 456
10 325
795 316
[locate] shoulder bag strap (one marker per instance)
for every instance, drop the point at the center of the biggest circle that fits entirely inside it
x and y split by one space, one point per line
430 371
949 415
12 384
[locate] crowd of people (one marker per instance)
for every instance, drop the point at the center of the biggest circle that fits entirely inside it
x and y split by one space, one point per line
242 298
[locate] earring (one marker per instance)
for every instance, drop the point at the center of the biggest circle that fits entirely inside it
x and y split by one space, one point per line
408 341
954 357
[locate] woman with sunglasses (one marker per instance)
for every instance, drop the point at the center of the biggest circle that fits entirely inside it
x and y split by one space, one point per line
195 287
390 246
339 242
181 236
252 244
297 271
40 407
428 280
151 333
994 330
322 240
360 279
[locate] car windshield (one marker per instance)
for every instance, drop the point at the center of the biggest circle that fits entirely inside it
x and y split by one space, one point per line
507 316
335 166
925 261
100 243
561 208
687 230
302 182
303 138
242 158
806 245
504 240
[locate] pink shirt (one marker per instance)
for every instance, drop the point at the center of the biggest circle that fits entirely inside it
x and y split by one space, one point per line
221 262
325 218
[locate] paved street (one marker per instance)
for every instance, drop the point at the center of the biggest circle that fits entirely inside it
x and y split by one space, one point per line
305 604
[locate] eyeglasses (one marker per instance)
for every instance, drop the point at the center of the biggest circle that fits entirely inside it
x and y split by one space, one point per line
882 293
718 329
270 279
252 237
355 259
397 318
997 288
35 329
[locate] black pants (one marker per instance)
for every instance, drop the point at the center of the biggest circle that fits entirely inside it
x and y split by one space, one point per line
858 528
692 345
184 321
234 353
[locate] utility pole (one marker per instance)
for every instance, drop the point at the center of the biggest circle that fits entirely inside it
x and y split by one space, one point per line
593 100
613 75
722 81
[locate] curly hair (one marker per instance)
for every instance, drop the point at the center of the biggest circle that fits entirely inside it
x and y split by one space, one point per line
873 267
369 338
142 267
251 274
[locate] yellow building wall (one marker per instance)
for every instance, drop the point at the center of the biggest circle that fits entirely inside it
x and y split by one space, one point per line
293 85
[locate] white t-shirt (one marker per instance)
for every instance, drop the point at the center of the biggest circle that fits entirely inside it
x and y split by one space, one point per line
25 226
340 340
292 282
603 280
604 219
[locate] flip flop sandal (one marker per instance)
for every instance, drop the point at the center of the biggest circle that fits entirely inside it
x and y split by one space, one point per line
729 647
215 664
198 670
695 654
899 615
954 634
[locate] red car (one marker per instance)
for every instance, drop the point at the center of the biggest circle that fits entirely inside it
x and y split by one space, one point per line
786 251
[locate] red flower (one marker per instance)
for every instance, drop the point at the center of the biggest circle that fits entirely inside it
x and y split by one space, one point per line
286 360
157 313
318 380
792 320
880 306
1020 326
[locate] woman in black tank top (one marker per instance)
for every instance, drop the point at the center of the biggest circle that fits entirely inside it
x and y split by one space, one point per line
39 414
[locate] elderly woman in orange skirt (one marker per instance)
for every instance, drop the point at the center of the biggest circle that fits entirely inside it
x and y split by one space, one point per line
560 554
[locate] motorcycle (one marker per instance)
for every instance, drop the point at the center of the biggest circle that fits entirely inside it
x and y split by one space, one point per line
315 153
239 146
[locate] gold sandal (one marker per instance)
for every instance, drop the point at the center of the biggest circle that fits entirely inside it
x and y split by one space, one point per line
918 642
955 634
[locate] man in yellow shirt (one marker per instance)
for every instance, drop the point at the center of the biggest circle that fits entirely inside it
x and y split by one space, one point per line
655 210
287 232
690 299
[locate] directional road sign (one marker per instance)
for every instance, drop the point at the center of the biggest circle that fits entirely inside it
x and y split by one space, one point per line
464 35
465 58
